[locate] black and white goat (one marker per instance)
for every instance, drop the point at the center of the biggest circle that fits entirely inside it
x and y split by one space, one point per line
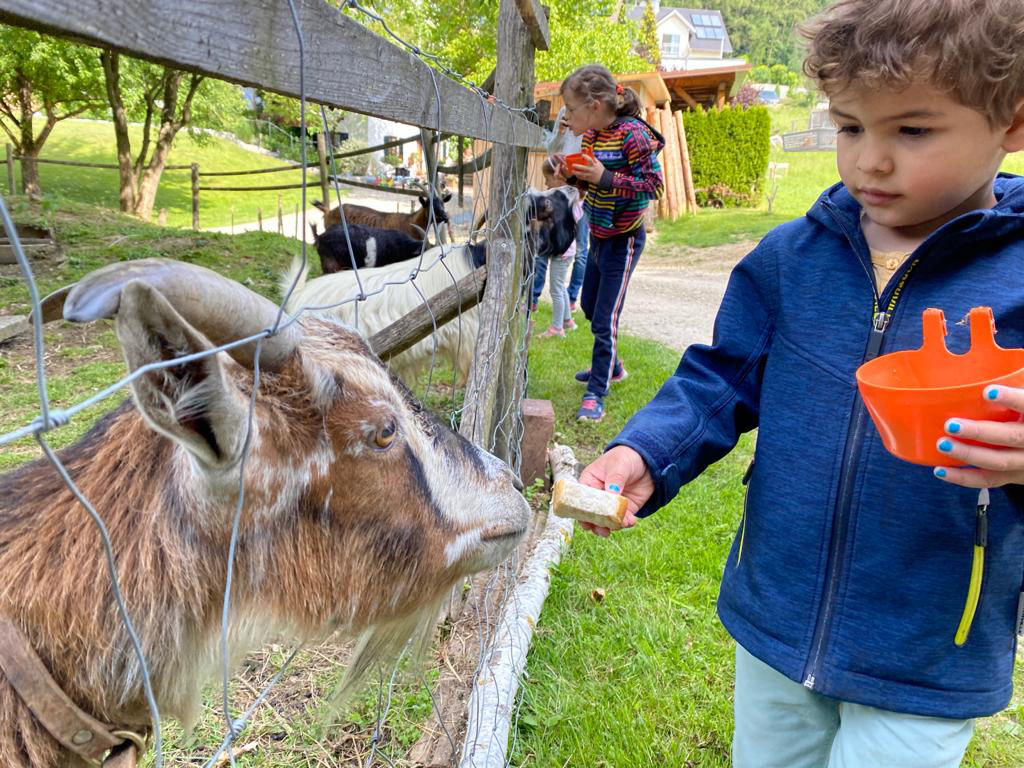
364 246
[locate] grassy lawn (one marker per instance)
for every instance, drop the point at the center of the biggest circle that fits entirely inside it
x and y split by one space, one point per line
88 141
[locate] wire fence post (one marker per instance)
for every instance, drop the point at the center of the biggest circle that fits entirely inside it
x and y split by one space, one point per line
325 186
10 169
195 195
462 170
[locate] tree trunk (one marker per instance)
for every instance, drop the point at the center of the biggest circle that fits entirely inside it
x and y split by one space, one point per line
150 182
126 174
27 146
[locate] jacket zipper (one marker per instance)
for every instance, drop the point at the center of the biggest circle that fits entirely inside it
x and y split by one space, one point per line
851 451
977 569
743 522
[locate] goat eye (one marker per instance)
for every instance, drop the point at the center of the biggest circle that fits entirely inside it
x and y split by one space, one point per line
385 436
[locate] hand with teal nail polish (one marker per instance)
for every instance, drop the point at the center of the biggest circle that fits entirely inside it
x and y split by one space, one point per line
620 470
1000 461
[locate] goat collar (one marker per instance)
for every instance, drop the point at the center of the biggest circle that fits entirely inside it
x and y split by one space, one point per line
97 744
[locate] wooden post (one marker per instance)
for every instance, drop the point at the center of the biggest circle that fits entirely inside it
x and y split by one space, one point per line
462 170
195 195
232 219
280 216
298 223
674 179
10 169
664 211
325 185
684 150
429 156
259 216
494 387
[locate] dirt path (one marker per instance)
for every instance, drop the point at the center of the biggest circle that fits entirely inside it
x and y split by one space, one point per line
675 292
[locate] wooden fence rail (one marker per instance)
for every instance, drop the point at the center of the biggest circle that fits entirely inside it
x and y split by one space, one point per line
253 43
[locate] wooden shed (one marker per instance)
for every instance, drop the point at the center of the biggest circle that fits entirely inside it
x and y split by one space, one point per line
656 99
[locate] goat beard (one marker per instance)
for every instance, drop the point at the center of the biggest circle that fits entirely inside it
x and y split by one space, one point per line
384 645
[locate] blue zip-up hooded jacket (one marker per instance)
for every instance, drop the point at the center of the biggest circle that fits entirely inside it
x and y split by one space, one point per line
851 569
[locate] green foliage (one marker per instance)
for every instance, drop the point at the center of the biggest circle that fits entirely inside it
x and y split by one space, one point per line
779 74
59 78
729 153
647 44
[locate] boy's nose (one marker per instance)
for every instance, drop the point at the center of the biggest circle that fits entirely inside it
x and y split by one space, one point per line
873 158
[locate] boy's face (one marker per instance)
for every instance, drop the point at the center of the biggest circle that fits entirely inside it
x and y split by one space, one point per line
915 158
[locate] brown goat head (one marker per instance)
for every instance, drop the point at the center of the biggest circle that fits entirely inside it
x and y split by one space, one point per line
361 509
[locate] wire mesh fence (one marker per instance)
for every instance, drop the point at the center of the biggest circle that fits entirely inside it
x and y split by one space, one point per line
481 610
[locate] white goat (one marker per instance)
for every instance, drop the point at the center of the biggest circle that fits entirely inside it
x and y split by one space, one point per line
390 295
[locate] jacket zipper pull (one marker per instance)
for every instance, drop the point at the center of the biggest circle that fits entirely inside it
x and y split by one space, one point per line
981 520
878 325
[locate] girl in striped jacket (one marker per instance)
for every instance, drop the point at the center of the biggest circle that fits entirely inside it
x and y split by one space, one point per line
619 175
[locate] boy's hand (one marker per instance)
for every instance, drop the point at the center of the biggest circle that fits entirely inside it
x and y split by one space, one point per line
995 466
591 170
621 470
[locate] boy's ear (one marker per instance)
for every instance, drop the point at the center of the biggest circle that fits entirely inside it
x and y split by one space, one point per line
1014 139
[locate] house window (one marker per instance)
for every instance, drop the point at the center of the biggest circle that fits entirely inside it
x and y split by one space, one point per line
708 26
670 45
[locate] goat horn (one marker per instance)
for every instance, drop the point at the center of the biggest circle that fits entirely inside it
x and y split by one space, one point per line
52 305
220 308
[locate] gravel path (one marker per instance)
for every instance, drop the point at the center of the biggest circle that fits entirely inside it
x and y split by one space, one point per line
675 292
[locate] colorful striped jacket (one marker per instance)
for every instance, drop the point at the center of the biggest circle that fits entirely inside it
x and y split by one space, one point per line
628 150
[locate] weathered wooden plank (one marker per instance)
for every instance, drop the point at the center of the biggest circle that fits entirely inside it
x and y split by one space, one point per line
419 324
253 42
536 18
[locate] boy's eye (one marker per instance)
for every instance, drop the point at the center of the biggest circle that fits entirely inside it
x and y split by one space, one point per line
850 129
909 130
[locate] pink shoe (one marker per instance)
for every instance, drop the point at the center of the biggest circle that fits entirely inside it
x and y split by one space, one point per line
552 331
572 306
570 326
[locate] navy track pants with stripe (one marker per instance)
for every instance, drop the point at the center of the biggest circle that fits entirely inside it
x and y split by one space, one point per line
610 264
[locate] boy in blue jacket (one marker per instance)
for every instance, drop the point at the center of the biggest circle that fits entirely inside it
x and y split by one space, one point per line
852 587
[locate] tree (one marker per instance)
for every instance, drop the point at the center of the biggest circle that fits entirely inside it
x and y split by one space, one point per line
44 74
165 100
648 46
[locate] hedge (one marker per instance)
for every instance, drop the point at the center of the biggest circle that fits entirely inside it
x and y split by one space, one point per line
729 152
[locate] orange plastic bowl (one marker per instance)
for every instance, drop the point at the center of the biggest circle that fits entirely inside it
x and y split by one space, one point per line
575 161
910 395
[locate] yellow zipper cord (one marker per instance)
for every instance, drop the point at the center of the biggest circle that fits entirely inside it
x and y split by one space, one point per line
977 568
743 523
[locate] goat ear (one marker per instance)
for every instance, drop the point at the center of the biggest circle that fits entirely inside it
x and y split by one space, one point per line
196 404
446 197
424 201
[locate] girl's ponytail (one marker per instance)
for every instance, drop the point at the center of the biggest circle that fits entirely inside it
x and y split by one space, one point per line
627 102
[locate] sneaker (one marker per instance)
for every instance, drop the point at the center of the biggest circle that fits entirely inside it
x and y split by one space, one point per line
584 376
572 306
552 331
591 409
570 326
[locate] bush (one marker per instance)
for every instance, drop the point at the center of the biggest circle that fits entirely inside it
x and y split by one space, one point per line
729 155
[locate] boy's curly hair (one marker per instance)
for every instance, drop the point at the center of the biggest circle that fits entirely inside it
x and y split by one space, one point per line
971 49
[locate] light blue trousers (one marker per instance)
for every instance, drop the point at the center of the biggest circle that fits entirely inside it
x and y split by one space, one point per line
781 724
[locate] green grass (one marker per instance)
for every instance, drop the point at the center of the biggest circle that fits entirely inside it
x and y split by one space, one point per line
90 141
644 677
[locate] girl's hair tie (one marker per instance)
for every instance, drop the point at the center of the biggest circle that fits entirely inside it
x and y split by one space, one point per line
618 89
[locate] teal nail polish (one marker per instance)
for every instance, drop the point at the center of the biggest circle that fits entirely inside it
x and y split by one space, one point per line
940 472
953 428
614 487
945 446
993 394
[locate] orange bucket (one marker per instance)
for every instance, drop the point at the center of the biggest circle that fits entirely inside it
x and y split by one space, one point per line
910 395
575 161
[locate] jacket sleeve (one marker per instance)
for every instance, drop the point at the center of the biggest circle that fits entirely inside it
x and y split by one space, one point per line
644 178
713 397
